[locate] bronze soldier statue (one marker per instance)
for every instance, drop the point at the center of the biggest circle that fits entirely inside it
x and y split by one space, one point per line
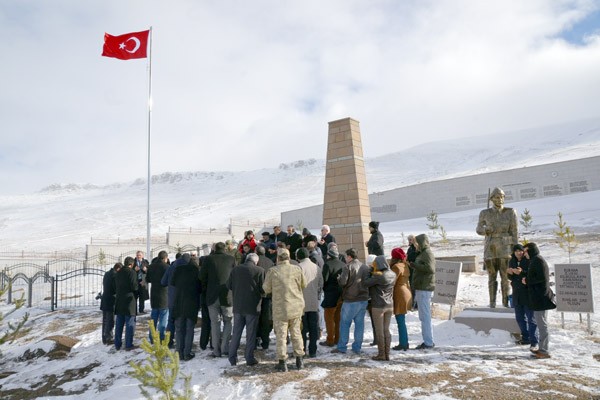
500 227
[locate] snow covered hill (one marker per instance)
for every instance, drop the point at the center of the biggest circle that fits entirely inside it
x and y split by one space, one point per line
65 216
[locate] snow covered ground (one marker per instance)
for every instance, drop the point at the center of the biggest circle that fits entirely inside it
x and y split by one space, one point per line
464 363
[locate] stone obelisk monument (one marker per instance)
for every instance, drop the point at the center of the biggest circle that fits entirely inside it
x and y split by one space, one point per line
346 206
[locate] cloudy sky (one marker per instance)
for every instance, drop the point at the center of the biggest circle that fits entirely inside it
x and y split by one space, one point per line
239 85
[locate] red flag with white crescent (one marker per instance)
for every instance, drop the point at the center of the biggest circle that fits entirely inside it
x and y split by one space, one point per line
126 47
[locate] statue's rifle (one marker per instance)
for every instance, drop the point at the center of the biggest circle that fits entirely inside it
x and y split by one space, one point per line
489 194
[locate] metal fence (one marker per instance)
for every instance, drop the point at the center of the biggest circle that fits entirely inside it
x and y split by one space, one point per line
59 283
66 282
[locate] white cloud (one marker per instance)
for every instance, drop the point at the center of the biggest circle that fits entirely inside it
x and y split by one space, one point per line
239 85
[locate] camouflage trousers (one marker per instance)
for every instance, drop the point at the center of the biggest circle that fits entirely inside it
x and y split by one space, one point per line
281 330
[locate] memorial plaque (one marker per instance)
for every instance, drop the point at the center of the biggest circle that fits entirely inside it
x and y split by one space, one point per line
463 201
447 276
574 290
528 193
481 198
552 190
578 187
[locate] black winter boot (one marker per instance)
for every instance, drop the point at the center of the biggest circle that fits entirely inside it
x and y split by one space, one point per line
299 363
282 366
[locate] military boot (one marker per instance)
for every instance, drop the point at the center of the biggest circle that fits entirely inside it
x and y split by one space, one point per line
282 366
299 363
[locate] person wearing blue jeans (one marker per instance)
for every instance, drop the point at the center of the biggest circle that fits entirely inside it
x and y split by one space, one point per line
352 312
424 284
355 297
424 302
125 304
518 266
158 293
129 322
160 317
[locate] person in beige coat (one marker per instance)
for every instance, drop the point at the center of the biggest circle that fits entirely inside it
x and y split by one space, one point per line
286 283
402 295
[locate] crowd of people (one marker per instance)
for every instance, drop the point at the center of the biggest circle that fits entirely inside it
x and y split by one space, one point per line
303 288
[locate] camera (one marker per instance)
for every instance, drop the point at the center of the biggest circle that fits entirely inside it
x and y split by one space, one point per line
99 296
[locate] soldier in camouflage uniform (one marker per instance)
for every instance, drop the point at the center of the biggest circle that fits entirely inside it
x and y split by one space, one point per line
499 226
286 283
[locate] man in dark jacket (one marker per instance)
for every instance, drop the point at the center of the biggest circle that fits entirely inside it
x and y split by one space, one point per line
278 235
158 293
541 297
355 297
171 294
213 275
307 236
293 241
332 298
424 284
245 283
187 304
126 285
326 238
265 320
375 243
411 256
140 267
107 303
517 270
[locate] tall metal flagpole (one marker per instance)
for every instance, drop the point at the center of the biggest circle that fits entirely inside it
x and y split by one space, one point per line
148 255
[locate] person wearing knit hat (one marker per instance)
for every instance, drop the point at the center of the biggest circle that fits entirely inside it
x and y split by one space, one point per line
402 295
518 267
332 295
375 243
370 260
381 289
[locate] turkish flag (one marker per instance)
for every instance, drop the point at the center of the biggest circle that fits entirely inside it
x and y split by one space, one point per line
127 46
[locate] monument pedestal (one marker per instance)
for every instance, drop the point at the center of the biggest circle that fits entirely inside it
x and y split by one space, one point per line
485 319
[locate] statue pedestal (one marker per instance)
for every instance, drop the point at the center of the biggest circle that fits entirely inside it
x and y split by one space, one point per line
485 319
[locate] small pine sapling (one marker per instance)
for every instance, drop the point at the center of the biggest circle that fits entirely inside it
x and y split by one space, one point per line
11 331
565 235
432 221
160 370
526 220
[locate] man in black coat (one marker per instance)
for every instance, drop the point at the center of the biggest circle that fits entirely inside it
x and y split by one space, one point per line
126 285
375 243
171 294
158 293
187 304
278 235
293 241
140 267
326 238
541 297
307 236
107 303
265 321
245 283
213 276
332 299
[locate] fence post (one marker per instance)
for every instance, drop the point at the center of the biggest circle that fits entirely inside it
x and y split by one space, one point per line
30 289
10 288
53 293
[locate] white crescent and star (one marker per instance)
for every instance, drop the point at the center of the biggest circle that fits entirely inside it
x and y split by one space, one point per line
122 46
